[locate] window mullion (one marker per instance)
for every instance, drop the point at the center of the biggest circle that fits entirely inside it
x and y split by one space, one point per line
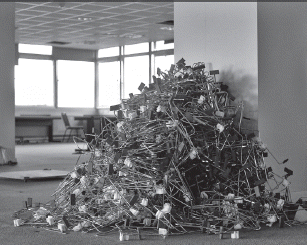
55 83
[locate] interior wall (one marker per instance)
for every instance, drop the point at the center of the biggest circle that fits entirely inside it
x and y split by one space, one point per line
282 54
224 36
73 54
7 61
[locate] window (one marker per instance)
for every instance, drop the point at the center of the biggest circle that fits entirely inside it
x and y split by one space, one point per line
136 70
76 82
136 48
34 49
163 62
108 52
34 82
109 84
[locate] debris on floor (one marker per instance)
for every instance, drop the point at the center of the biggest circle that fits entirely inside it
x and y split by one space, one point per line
176 160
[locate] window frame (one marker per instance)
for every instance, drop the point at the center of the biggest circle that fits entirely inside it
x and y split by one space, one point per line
152 53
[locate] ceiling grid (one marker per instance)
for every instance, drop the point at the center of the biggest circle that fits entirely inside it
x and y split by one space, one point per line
92 25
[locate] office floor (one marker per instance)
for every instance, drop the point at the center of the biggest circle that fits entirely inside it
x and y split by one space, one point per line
59 156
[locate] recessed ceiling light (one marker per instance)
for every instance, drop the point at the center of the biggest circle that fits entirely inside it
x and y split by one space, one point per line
167 28
90 42
84 18
131 36
109 35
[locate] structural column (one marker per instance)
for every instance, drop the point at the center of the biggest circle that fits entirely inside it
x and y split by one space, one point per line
7 62
282 56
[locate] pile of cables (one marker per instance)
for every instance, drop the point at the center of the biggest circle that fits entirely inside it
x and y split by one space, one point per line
175 159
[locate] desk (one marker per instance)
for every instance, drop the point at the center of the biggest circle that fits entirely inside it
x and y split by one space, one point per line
37 121
90 124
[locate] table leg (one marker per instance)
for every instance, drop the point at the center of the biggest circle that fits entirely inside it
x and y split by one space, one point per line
50 133
90 129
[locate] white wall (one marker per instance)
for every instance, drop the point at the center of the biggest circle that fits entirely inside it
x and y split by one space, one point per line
282 54
7 61
224 36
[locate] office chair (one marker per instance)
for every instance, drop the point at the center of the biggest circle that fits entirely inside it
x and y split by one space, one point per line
68 127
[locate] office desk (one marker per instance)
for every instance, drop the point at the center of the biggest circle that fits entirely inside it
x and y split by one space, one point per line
90 124
37 121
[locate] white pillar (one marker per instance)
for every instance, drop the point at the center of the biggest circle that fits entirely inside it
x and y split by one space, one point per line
221 33
7 61
282 54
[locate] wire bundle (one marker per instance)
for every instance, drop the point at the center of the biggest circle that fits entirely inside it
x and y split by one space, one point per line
174 158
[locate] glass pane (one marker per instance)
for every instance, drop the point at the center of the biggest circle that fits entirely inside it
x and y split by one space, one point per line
137 48
108 52
34 82
109 84
34 49
136 71
76 81
161 46
163 62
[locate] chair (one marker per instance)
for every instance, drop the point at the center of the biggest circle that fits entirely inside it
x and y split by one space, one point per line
68 127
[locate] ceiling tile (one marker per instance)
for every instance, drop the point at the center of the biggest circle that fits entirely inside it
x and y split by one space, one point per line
152 20
98 15
90 7
44 8
160 10
143 13
109 21
21 18
139 6
118 11
137 28
74 11
40 22
22 5
127 17
111 4
42 18
29 23
131 23
66 5
68 21
30 12
56 15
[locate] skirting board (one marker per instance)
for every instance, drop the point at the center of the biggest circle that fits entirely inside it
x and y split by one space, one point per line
34 174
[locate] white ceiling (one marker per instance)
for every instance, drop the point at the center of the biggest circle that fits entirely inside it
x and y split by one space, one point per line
106 24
